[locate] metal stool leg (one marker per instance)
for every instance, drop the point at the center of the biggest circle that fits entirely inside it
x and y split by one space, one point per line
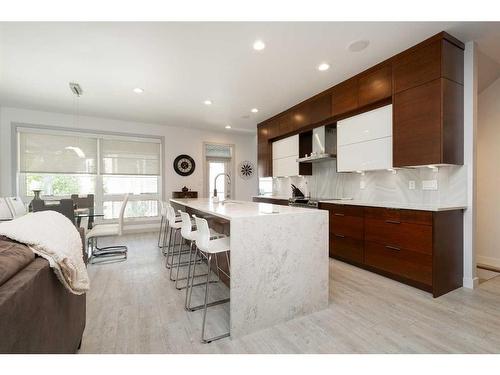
205 308
161 231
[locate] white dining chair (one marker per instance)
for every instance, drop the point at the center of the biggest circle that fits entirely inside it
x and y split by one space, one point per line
107 230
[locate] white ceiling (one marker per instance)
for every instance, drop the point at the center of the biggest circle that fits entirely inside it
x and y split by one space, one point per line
179 65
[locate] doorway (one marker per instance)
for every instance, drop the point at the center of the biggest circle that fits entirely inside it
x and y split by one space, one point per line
218 158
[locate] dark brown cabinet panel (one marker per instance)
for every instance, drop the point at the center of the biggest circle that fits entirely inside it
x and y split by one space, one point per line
264 167
350 226
412 265
417 67
346 248
440 59
416 128
375 86
420 248
345 97
320 109
428 124
399 235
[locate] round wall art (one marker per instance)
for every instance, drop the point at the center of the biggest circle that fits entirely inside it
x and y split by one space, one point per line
246 169
184 165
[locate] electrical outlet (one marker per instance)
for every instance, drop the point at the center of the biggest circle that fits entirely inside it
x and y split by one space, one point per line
362 184
411 184
429 185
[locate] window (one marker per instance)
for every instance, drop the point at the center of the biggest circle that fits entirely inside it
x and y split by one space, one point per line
63 163
218 159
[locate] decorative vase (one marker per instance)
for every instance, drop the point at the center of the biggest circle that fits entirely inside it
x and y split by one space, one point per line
35 198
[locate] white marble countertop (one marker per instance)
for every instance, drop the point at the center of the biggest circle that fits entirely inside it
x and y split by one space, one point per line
354 202
231 209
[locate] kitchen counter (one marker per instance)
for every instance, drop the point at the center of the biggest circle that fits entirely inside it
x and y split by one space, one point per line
278 260
402 206
232 209
397 205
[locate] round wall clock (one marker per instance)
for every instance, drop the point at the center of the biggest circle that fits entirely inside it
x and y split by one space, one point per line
246 169
184 165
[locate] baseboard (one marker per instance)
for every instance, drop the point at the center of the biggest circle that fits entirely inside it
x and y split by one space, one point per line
470 283
488 261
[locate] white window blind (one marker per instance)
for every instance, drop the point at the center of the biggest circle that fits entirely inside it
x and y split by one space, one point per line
119 157
53 153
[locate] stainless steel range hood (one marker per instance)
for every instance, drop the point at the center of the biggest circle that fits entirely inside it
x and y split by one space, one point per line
324 145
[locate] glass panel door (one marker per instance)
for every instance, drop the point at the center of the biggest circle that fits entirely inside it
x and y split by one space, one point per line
223 188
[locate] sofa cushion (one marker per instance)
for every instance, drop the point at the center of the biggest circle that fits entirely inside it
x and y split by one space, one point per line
13 258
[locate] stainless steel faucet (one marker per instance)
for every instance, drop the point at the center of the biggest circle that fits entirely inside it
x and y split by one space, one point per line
228 180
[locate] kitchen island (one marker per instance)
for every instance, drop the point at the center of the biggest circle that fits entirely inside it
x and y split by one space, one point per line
279 260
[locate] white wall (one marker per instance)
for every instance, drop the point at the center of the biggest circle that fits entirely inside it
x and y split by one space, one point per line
177 141
488 176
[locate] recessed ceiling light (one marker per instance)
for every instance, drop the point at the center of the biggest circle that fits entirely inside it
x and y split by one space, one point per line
254 110
138 90
358 45
228 126
207 102
259 45
323 66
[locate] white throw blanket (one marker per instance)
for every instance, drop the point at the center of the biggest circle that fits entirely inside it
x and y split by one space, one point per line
52 236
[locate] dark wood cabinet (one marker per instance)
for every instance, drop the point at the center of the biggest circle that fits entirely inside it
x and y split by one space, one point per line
424 85
439 59
346 232
264 150
419 248
375 85
428 124
345 97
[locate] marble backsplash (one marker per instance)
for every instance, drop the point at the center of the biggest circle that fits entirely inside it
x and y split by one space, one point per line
380 186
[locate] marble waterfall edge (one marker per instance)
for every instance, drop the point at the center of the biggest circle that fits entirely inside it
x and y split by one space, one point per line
279 268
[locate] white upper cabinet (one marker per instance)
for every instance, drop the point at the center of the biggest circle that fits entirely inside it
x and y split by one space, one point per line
285 154
364 142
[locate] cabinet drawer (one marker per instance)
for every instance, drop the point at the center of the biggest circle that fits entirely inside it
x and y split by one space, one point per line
349 226
409 264
345 210
399 234
395 214
346 248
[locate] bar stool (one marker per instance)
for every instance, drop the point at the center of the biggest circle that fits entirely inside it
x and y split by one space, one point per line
208 248
163 222
175 227
189 235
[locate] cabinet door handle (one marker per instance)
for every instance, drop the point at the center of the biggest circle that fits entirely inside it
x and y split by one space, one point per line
392 222
393 248
339 235
337 214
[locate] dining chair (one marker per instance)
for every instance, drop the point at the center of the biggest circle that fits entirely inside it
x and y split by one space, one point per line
116 252
16 206
5 212
87 202
63 206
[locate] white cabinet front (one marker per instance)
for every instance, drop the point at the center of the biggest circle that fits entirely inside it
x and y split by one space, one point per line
365 156
285 167
364 142
285 154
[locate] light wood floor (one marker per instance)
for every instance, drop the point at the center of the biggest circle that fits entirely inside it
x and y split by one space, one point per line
132 307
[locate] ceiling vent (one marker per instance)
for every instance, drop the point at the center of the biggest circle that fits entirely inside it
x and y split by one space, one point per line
76 89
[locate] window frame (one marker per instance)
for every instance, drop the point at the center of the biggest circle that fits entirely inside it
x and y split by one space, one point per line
19 179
